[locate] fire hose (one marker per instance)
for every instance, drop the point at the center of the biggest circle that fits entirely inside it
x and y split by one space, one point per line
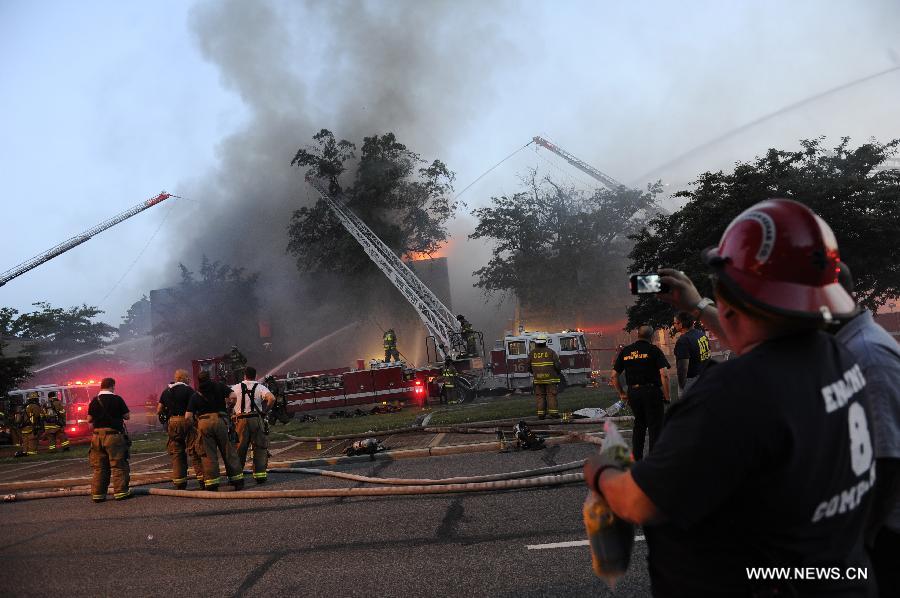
431 487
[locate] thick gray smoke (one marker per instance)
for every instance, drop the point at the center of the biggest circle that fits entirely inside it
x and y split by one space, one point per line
358 69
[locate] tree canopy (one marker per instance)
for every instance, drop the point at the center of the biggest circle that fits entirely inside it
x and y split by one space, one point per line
401 197
13 370
559 249
859 201
55 330
205 314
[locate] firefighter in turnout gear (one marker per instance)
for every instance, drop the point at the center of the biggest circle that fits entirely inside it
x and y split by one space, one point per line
390 346
32 425
469 337
209 410
55 423
543 363
173 402
250 402
109 452
448 379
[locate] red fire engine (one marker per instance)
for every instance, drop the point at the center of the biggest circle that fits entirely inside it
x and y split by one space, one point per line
75 397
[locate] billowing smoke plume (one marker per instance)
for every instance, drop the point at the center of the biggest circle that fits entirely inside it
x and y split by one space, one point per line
358 69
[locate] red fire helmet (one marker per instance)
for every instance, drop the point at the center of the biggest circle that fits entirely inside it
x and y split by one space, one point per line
780 256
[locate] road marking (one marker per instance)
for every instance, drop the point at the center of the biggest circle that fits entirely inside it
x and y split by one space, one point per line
436 441
155 456
568 544
287 448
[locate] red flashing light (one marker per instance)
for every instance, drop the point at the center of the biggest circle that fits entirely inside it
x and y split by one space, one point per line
80 408
72 429
92 381
418 383
419 390
79 382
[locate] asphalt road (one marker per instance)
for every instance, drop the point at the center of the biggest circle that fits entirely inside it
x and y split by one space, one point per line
447 545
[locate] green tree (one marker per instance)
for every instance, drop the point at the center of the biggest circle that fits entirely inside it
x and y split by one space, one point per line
13 370
558 249
136 322
844 186
57 331
402 198
205 314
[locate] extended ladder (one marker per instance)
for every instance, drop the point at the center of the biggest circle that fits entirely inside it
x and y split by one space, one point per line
438 320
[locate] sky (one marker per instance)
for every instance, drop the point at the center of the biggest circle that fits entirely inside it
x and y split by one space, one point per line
105 104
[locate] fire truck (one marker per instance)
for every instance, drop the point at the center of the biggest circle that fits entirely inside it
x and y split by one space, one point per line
75 397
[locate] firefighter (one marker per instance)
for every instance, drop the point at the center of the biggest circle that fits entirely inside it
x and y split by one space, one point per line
108 456
16 420
448 378
237 362
208 407
173 403
55 423
32 425
468 335
250 402
543 363
390 346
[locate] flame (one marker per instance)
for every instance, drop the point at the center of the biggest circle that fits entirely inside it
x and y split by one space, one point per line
442 251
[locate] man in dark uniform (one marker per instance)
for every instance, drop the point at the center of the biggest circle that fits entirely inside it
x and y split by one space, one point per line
173 402
647 376
543 363
691 351
390 346
209 409
107 413
767 461
55 423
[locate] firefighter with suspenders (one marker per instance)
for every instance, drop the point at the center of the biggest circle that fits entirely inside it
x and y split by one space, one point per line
250 402
55 423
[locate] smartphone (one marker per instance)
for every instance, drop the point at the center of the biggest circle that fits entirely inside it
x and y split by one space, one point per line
646 284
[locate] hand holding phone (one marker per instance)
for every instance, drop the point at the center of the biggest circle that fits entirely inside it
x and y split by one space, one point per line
646 284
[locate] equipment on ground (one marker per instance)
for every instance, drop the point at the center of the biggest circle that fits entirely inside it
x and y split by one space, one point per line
63 247
526 439
366 446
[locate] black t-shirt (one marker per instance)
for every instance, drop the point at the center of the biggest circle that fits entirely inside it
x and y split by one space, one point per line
694 346
175 398
210 399
641 362
767 462
107 411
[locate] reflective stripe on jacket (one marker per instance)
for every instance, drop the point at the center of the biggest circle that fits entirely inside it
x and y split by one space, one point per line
543 363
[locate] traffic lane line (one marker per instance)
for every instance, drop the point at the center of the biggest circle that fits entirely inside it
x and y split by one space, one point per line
40 474
568 544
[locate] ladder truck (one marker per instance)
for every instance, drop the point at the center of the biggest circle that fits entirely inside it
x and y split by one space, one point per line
611 183
75 241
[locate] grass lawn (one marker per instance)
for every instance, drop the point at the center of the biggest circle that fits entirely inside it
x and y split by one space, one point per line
489 408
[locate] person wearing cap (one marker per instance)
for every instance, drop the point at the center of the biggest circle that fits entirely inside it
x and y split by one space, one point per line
767 461
543 363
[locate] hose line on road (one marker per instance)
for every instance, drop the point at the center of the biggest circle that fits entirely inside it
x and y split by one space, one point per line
510 475
518 484
154 478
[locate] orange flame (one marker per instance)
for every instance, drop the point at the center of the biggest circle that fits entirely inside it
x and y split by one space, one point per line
442 251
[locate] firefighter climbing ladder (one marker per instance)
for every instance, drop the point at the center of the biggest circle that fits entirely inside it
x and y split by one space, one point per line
438 320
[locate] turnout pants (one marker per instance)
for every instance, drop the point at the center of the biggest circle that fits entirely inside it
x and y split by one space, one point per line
648 407
250 432
214 437
56 437
545 397
30 440
109 455
449 395
194 444
388 353
179 439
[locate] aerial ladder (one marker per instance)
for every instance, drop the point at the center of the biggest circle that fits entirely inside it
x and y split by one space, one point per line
65 246
607 180
438 320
